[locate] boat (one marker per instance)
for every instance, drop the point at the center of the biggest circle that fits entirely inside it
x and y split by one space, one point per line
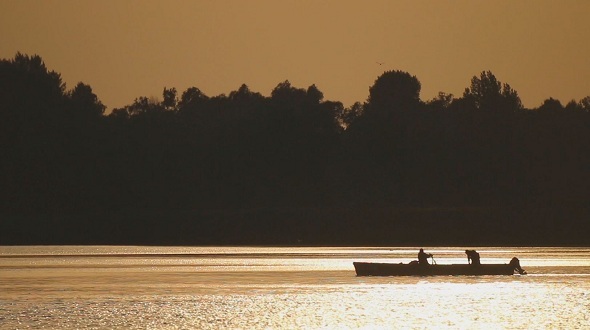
416 269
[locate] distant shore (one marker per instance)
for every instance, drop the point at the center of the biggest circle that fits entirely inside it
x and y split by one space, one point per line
308 226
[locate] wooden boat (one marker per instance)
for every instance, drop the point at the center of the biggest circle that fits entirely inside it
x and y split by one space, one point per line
415 269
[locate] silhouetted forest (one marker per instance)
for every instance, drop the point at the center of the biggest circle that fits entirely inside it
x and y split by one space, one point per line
290 168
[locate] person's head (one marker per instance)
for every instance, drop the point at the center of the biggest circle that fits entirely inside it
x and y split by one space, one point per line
421 250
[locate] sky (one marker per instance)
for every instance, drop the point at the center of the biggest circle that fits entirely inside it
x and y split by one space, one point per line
126 49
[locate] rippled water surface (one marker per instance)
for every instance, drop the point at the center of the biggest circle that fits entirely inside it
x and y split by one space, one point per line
103 287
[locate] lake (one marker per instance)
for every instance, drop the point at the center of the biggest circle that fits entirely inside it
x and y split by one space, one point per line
138 287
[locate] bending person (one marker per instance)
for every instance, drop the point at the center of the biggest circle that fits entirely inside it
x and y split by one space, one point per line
472 257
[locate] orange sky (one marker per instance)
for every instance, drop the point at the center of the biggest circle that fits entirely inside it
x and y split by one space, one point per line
126 49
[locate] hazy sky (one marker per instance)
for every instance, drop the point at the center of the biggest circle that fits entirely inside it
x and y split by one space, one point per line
127 49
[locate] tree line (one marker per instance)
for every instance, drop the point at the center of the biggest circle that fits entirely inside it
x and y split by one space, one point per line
247 153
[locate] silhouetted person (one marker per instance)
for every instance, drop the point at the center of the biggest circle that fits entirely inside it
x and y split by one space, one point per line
472 257
515 263
423 257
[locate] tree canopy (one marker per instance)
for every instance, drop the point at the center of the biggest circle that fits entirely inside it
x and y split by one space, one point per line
274 165
394 89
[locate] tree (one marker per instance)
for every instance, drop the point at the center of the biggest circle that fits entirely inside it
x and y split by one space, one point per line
245 95
84 103
394 89
551 105
170 101
572 106
27 87
286 94
192 97
585 104
314 95
488 93
441 101
141 106
346 116
191 102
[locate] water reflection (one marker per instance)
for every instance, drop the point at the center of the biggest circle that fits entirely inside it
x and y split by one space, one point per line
212 288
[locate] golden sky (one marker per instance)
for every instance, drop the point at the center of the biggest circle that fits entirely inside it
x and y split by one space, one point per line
126 49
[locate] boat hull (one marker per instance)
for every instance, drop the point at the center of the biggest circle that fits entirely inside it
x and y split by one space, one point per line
387 269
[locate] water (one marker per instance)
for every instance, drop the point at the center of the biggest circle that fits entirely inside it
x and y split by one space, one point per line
102 287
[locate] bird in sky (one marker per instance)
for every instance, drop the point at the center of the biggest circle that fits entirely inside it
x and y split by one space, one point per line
380 63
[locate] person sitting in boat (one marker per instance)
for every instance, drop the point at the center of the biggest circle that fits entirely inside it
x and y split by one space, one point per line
472 257
423 257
